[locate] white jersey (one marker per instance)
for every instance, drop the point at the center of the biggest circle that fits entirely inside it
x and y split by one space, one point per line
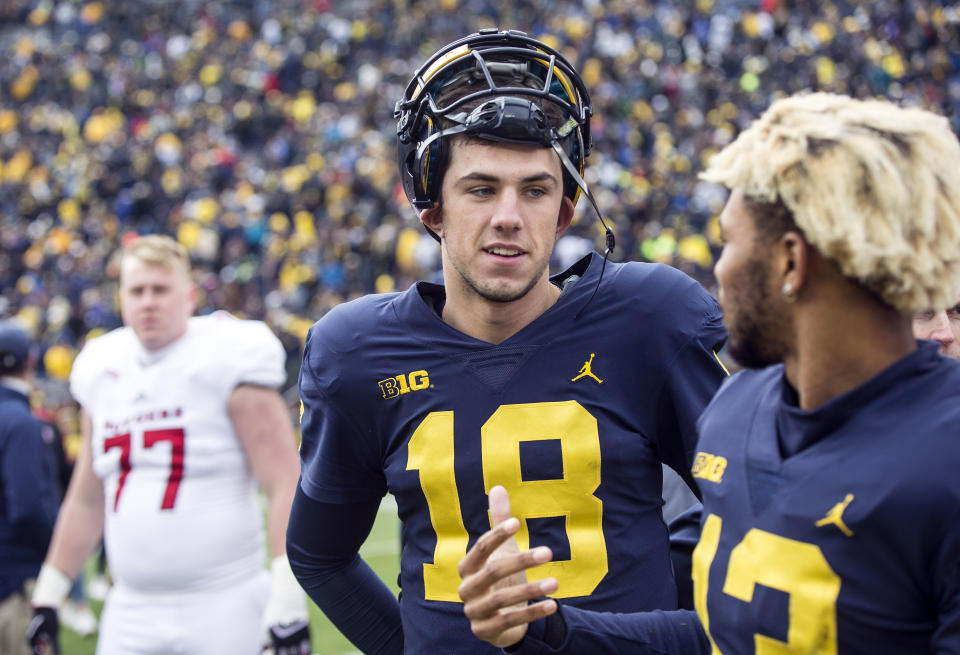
181 507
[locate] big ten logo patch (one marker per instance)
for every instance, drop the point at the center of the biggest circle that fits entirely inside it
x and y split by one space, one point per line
404 383
709 467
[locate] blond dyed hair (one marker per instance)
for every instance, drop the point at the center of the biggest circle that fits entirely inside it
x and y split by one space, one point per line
872 186
158 250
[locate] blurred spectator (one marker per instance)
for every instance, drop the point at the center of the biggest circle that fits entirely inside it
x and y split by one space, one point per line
261 135
76 612
28 490
942 327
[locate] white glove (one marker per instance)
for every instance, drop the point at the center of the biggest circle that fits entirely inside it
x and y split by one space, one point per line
284 624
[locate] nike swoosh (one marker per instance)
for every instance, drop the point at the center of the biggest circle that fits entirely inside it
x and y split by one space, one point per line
287 630
34 625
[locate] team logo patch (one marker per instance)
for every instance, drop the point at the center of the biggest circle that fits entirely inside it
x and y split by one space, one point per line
586 371
835 516
709 467
404 383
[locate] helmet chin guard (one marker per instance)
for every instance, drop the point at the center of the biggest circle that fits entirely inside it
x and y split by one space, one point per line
500 86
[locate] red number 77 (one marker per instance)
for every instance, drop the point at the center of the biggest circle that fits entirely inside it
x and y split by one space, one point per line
150 437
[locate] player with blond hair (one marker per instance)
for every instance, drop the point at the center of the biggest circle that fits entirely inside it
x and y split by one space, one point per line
828 466
181 421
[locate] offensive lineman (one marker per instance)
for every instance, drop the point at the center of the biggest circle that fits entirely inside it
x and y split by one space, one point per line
181 420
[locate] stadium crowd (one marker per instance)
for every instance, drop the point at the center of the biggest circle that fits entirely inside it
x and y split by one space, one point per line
260 133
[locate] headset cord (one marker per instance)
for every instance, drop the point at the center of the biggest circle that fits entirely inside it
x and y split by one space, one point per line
611 241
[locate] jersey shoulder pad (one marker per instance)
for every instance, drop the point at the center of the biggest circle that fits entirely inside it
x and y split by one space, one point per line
102 355
245 350
664 300
342 328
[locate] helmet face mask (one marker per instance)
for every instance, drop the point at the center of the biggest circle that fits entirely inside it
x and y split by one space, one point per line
496 86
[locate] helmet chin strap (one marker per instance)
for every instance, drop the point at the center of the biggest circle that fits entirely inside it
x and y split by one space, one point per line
611 241
511 120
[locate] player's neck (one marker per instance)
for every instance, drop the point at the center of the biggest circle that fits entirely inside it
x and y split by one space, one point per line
840 350
495 322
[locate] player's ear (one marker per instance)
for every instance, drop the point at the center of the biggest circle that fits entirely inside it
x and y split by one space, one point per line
433 219
793 261
565 216
192 297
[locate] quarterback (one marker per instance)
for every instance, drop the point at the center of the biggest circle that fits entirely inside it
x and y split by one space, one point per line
569 390
182 419
828 467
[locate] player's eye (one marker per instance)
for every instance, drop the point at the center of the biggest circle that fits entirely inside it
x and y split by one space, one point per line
481 191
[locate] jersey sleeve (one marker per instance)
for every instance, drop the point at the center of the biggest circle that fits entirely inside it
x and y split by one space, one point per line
329 569
691 379
605 633
27 477
251 353
83 372
339 451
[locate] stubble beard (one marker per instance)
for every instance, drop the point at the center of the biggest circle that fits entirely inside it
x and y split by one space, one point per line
493 292
755 338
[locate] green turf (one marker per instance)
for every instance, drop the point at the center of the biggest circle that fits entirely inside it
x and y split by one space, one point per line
381 551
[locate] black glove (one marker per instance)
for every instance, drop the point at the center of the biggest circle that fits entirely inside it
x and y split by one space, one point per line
43 633
290 638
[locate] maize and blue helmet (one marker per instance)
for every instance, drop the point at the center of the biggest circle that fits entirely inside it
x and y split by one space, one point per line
500 86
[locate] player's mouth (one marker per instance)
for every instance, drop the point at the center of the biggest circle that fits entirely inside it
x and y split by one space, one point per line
502 251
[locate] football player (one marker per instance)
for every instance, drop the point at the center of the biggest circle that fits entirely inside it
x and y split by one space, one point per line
942 327
569 390
828 467
182 420
29 493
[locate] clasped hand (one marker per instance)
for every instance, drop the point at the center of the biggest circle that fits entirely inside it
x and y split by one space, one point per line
494 589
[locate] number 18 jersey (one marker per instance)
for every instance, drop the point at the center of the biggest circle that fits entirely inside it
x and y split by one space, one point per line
181 511
572 415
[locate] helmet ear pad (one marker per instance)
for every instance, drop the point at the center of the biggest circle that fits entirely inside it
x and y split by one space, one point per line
428 168
421 175
573 146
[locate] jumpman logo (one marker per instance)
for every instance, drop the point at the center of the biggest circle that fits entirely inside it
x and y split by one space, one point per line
835 516
586 372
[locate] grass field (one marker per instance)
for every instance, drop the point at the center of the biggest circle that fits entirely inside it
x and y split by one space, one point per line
381 551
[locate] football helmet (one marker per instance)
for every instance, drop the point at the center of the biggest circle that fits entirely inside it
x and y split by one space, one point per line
497 85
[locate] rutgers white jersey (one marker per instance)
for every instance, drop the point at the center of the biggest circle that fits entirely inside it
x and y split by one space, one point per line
181 507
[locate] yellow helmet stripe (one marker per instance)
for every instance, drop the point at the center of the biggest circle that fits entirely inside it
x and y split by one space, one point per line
453 55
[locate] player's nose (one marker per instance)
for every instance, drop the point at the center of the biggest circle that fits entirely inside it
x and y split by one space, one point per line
506 212
940 329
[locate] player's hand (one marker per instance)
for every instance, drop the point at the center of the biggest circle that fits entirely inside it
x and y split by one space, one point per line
289 639
43 633
494 587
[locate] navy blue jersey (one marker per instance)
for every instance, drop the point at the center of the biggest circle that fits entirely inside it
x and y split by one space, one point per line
836 530
572 416
29 495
